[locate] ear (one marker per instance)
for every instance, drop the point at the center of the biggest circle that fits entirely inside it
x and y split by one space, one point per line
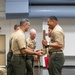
25 24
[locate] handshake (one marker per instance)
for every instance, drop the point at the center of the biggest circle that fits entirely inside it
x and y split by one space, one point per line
38 52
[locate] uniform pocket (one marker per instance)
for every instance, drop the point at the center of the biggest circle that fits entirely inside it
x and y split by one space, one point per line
57 57
16 60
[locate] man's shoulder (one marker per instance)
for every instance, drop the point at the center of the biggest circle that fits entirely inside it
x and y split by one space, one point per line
28 39
11 36
58 29
19 33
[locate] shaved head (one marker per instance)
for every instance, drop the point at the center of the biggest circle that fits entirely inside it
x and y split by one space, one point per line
32 33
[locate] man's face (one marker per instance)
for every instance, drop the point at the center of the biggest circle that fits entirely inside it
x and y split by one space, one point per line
50 23
33 35
27 25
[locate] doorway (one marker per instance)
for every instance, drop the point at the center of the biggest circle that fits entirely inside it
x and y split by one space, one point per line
2 50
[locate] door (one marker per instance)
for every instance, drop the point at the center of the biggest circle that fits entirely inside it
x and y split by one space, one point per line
2 51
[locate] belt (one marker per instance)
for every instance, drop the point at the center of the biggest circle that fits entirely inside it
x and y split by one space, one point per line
19 55
56 52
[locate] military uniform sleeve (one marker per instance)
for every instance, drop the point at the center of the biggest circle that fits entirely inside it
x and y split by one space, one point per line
59 37
10 40
27 40
34 44
21 42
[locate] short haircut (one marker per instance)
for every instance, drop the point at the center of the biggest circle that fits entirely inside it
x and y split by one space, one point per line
16 26
53 18
23 21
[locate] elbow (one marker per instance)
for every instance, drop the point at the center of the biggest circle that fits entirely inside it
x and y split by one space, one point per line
60 46
23 51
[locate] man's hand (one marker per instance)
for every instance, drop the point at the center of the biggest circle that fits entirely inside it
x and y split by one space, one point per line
44 42
38 52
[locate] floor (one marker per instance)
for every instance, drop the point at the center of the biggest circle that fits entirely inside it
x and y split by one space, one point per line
44 71
65 71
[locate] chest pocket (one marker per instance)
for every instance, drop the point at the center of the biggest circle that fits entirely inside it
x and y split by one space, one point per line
32 45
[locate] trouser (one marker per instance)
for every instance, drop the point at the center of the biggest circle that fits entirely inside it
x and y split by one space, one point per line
10 70
56 63
9 65
18 63
29 64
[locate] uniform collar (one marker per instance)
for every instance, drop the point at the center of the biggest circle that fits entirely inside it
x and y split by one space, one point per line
21 31
55 27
